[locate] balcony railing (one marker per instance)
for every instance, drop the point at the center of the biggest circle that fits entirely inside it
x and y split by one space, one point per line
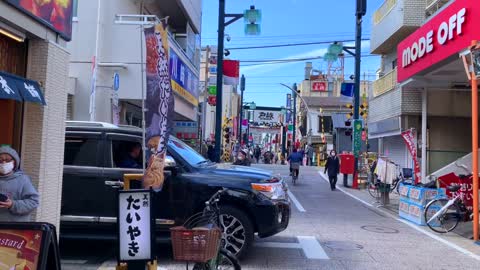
432 6
385 83
383 11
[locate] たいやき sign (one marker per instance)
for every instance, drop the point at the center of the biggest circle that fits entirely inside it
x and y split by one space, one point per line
135 224
446 34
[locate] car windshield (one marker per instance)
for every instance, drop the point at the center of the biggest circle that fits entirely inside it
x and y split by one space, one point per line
186 152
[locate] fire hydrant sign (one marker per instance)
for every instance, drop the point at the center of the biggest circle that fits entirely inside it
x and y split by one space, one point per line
135 224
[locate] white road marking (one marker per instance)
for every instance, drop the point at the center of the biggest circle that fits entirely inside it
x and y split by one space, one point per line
309 244
311 248
431 235
296 202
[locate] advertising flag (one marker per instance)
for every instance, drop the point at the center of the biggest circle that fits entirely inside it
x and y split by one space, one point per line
159 104
231 72
409 138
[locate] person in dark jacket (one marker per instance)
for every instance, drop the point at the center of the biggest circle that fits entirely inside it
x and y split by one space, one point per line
18 196
295 157
211 152
333 168
242 158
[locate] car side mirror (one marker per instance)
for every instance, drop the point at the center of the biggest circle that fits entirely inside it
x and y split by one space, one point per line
170 165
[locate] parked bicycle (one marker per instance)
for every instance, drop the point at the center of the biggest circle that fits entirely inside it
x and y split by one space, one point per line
442 215
375 185
205 228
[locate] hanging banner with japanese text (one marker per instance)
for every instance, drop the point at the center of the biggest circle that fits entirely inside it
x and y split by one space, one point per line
289 106
135 224
159 104
409 138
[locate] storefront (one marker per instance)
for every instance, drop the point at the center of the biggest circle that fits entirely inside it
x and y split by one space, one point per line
429 62
33 94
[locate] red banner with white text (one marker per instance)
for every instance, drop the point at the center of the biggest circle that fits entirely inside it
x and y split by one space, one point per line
409 138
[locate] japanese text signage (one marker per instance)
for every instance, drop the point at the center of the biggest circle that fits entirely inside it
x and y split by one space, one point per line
266 118
319 86
184 81
357 137
135 223
446 34
409 137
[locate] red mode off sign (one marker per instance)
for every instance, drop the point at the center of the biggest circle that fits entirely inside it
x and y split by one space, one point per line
448 33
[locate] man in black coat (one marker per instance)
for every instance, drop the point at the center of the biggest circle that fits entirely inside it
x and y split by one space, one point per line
333 168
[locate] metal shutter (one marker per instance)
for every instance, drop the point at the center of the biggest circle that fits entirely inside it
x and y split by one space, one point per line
394 148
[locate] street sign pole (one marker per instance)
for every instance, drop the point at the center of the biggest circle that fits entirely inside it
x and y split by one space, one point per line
361 11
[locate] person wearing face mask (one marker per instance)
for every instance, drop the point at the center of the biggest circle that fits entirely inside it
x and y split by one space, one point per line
333 168
242 158
18 197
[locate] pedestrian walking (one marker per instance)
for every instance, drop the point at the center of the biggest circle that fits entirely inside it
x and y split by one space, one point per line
18 197
309 155
242 158
257 153
211 152
333 168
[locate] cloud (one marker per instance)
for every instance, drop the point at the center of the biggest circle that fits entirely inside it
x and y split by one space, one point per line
265 68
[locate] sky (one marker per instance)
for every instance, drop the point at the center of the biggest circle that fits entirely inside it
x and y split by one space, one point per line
287 22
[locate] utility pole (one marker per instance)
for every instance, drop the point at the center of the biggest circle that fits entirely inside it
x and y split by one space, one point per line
360 12
242 88
294 114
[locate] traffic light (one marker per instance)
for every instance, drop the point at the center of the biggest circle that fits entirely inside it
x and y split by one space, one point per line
364 110
350 114
226 134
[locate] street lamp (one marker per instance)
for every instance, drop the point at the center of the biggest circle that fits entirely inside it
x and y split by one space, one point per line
333 51
251 16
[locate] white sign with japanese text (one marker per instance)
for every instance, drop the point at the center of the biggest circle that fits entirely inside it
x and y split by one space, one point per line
266 117
134 225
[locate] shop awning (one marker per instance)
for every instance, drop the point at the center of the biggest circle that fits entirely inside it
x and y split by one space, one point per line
21 89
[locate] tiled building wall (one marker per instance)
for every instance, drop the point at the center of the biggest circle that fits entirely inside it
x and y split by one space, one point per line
44 127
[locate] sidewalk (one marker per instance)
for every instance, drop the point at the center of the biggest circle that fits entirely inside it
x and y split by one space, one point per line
458 239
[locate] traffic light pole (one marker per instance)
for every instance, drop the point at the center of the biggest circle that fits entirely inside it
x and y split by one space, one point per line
242 88
294 114
361 8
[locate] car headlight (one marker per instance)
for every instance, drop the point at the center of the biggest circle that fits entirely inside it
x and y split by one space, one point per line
273 191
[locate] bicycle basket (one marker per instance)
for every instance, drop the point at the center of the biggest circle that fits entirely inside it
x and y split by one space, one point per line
195 245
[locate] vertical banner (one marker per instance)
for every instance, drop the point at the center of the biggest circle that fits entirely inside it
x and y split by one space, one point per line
357 136
231 72
409 138
159 104
289 106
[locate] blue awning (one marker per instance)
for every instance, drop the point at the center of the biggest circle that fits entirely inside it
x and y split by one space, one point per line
21 89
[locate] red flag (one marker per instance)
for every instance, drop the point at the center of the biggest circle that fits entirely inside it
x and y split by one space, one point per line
409 138
231 72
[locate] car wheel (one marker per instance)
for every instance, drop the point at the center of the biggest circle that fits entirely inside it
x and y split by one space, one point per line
237 230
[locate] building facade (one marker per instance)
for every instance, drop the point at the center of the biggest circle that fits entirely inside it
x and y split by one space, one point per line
33 95
230 96
423 84
110 33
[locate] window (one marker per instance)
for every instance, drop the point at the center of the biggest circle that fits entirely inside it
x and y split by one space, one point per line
127 153
394 64
81 151
327 124
186 152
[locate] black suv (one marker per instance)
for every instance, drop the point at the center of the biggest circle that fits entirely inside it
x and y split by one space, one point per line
257 201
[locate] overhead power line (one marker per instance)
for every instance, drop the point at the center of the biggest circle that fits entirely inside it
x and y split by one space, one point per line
292 44
280 61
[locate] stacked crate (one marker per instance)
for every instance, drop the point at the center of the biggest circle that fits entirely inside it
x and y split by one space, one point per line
413 201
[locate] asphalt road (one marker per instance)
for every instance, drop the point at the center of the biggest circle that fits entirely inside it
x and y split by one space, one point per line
328 230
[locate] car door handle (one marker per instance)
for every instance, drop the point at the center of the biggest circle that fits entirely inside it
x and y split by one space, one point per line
114 184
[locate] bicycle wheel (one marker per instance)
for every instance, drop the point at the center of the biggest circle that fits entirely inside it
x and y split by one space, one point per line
373 190
444 222
227 261
294 176
224 261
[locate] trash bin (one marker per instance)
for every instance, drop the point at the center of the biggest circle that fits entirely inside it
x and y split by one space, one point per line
347 162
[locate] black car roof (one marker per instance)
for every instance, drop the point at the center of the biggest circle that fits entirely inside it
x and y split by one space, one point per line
102 127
